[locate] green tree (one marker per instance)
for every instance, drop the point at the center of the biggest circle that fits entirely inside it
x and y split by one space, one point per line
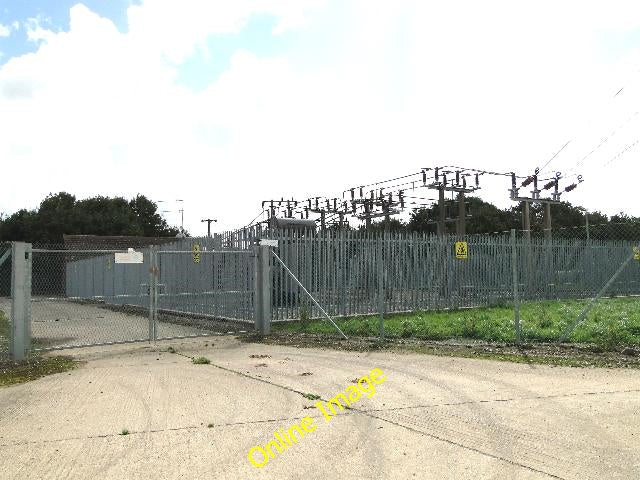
61 213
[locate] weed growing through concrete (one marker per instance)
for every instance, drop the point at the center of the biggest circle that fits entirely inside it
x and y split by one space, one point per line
124 432
200 360
311 396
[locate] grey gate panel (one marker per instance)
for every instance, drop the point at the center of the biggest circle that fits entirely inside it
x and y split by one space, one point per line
83 298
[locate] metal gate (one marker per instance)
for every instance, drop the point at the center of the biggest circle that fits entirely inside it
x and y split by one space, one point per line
100 297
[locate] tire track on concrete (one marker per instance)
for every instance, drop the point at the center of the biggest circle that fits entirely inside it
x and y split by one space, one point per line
392 422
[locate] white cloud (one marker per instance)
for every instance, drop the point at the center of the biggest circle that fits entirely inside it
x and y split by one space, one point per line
5 31
492 86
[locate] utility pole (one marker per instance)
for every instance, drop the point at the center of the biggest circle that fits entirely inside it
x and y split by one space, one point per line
526 220
535 198
462 216
441 212
181 215
547 221
459 186
209 220
586 219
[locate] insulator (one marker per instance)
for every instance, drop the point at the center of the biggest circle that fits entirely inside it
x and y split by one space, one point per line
458 177
335 203
390 197
571 187
424 177
513 180
527 181
548 185
353 207
353 193
477 180
436 173
464 182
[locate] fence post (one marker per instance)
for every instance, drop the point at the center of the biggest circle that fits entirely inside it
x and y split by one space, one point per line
263 280
20 342
380 269
516 296
153 291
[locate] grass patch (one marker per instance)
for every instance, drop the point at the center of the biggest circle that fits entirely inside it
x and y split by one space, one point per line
613 323
33 368
4 335
124 431
200 360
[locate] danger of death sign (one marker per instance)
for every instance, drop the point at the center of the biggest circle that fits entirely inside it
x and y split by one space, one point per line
462 250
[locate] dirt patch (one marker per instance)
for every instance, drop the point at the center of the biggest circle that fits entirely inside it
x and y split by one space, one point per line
583 355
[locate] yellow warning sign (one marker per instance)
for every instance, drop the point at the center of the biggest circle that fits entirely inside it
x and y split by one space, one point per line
462 250
196 252
636 253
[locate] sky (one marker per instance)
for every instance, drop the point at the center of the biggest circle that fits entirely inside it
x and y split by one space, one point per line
224 104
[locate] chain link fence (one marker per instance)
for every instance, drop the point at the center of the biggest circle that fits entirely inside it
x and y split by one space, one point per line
90 293
5 300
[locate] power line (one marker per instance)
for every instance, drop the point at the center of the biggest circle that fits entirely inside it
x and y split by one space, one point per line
555 155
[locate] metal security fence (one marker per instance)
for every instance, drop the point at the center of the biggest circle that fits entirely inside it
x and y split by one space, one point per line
351 273
203 286
573 269
204 291
356 274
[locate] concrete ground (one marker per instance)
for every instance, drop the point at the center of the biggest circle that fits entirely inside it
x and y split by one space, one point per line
433 417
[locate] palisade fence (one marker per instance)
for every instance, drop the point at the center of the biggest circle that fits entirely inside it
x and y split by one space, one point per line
355 273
